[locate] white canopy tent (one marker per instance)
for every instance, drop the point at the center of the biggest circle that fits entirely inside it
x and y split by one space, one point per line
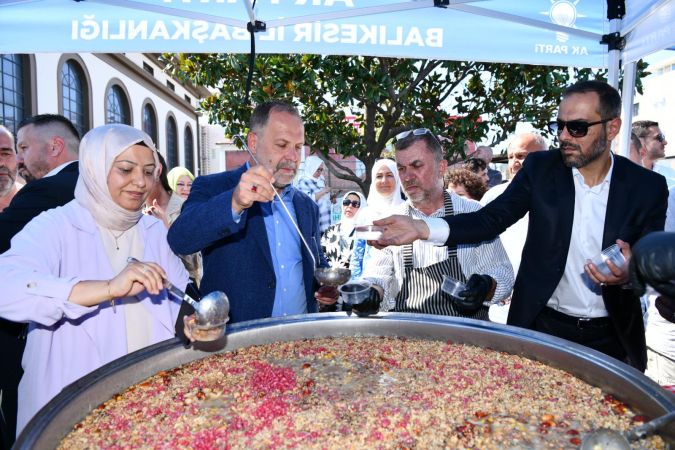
551 32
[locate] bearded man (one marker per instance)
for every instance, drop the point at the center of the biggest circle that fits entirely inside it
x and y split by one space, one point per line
581 198
250 247
8 168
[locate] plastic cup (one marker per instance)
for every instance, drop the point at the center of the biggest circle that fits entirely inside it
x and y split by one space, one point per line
368 232
611 253
203 333
452 287
355 292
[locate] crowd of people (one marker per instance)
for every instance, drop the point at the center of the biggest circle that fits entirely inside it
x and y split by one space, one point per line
101 225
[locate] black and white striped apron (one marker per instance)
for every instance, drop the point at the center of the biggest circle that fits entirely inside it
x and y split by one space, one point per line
421 289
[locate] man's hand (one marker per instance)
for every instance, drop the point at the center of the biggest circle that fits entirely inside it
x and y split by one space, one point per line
255 185
477 290
327 295
619 275
399 230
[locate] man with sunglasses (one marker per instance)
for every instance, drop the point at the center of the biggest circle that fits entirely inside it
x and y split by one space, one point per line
410 277
581 199
653 141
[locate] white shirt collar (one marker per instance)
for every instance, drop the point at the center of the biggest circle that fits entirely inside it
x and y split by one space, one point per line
57 169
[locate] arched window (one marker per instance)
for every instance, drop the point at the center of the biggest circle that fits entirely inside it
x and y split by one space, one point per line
13 90
189 150
150 122
74 95
117 106
171 143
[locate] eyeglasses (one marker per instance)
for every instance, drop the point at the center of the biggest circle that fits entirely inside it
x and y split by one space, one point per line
576 128
415 132
660 137
354 203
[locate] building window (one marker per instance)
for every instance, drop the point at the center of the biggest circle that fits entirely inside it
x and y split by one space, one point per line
171 143
187 99
189 150
13 92
148 68
636 109
170 85
150 122
117 106
74 95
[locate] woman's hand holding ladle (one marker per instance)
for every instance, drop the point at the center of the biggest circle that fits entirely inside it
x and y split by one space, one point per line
133 279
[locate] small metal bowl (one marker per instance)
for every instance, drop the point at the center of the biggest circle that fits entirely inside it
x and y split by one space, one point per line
332 276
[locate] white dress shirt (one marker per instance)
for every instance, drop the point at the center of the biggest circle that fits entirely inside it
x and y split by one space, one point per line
576 294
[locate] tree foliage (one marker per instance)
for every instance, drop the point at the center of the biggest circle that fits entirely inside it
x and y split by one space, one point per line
456 100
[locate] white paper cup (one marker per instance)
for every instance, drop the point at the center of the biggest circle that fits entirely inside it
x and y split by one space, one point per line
368 232
613 253
452 287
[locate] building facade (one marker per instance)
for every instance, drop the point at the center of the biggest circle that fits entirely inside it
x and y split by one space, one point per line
97 89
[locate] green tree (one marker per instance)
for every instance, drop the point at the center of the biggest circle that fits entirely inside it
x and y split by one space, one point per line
387 96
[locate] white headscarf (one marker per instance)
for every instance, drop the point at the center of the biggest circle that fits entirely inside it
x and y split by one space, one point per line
347 224
312 163
379 205
98 150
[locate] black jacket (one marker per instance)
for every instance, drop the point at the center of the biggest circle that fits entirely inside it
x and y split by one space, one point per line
544 187
34 198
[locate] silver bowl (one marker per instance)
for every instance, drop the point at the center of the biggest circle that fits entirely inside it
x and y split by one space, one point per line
332 276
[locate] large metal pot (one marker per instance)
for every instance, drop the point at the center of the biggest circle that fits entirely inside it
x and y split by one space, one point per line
58 417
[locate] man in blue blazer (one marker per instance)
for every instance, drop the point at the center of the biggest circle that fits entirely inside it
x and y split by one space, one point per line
581 199
250 248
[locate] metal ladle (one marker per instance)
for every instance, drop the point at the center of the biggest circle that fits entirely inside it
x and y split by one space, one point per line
605 439
212 310
328 276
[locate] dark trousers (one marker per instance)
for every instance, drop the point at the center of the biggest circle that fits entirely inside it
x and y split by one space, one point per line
597 334
12 343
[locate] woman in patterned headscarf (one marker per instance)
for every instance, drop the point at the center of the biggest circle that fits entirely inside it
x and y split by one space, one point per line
337 241
68 275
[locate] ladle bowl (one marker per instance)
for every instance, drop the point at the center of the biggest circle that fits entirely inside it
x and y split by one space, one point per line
606 439
332 276
213 310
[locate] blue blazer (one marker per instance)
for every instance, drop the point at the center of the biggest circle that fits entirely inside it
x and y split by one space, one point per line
236 256
636 206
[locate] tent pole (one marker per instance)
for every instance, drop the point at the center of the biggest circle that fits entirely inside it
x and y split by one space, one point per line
627 93
614 63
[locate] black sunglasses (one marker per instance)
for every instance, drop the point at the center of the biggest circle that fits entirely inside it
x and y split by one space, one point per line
576 128
660 137
354 203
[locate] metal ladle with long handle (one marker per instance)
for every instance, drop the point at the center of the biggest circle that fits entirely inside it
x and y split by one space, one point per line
212 310
605 439
329 276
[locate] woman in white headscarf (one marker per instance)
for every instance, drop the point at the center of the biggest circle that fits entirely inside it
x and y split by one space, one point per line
337 241
312 183
384 198
385 191
67 272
